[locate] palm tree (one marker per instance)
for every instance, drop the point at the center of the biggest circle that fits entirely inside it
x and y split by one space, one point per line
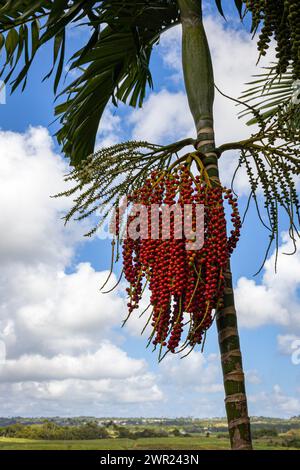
114 66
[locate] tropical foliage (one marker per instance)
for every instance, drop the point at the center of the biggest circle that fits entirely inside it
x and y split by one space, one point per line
112 65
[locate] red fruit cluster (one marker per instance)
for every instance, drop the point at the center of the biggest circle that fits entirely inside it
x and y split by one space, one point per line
186 284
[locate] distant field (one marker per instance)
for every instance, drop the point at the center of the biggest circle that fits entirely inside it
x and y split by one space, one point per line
162 443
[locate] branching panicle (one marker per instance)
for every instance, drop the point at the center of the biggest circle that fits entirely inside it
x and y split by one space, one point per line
113 172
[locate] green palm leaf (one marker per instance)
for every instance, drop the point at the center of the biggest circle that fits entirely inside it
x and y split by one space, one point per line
273 96
117 68
114 64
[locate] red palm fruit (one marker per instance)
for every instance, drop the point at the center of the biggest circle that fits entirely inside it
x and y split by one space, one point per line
180 280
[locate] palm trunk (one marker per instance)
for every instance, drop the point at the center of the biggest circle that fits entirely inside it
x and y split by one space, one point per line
199 82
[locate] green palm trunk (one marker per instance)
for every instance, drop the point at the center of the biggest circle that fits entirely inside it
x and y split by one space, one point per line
199 82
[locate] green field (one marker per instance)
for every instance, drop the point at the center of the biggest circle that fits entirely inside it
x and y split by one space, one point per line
166 443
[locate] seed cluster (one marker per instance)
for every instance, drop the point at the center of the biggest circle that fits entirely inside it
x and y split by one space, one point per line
186 284
280 18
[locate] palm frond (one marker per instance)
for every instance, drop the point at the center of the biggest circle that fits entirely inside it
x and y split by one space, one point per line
113 64
268 91
25 26
238 3
271 157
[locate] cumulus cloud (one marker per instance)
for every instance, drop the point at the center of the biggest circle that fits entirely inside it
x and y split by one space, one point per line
108 361
71 397
253 377
275 403
170 52
111 128
275 299
201 373
43 308
56 325
31 229
163 118
266 306
61 310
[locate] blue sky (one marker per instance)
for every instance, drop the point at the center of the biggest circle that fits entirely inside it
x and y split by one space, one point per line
65 351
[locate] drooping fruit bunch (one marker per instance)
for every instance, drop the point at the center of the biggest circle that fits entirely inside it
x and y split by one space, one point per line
280 18
186 280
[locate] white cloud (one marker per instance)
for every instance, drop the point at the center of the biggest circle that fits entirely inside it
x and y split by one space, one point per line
31 229
56 325
50 311
76 303
275 299
253 377
108 362
163 118
43 309
201 373
266 304
110 129
285 343
170 52
276 403
71 397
